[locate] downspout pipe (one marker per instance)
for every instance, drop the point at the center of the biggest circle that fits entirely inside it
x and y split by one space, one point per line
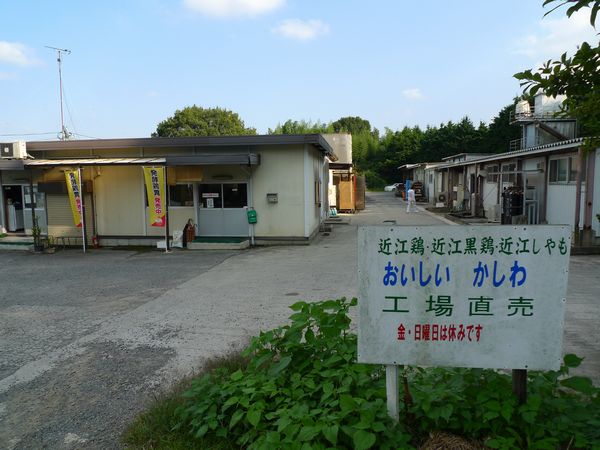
589 190
31 201
576 234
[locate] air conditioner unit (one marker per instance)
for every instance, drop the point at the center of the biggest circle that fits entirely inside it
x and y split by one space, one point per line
13 150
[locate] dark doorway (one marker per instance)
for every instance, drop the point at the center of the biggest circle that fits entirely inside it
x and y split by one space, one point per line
13 208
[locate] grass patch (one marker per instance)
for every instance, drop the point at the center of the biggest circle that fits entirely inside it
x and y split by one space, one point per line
299 387
157 427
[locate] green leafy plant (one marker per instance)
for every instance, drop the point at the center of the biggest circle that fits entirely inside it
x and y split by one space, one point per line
301 389
560 410
36 232
299 386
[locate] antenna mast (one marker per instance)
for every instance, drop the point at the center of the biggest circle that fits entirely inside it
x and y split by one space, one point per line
64 134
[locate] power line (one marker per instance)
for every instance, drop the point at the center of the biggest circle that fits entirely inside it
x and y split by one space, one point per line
28 134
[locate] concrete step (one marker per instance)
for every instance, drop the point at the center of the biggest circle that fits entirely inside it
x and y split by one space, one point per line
23 243
218 245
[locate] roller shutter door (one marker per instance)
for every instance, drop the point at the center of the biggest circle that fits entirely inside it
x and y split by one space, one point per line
60 217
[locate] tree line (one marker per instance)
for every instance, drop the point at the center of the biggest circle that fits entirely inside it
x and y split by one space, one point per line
375 155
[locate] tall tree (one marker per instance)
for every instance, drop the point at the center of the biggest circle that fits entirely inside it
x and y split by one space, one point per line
301 127
577 77
352 125
197 121
501 132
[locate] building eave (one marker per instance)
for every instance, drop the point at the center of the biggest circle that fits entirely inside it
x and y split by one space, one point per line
205 142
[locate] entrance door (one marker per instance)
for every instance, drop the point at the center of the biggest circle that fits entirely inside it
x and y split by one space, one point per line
221 209
13 208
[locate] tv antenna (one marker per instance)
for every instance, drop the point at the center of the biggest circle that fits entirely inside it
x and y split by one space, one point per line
64 134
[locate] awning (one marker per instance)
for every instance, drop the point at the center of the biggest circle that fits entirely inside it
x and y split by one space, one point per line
340 166
191 160
32 163
248 159
11 164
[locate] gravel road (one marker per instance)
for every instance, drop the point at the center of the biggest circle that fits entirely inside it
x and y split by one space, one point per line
86 341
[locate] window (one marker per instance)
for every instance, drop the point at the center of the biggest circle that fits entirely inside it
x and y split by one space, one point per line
210 195
181 195
223 195
564 170
40 198
235 195
492 176
509 177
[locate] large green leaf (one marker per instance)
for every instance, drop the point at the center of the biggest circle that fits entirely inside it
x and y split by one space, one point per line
572 360
308 433
235 418
363 440
331 433
253 416
580 384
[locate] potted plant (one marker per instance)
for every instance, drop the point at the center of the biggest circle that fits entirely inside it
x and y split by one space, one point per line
36 232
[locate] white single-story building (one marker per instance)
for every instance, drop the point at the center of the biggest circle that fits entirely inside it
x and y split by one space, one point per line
556 184
211 180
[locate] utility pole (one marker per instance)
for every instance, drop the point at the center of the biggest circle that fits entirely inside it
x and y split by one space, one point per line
64 134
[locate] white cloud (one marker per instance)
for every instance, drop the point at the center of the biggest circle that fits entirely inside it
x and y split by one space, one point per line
302 30
233 8
16 54
412 94
556 36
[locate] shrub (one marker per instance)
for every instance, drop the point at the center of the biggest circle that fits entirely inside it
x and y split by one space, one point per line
302 388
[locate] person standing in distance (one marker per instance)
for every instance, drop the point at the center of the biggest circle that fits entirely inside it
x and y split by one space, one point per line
411 203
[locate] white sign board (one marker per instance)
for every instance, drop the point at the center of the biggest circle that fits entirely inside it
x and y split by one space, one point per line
464 296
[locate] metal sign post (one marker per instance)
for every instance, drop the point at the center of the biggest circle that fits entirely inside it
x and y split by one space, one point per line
81 195
519 385
166 206
391 390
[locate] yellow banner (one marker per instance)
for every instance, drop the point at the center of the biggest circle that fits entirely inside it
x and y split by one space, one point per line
72 177
155 188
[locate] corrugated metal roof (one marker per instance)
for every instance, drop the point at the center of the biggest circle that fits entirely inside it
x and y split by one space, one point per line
411 166
546 148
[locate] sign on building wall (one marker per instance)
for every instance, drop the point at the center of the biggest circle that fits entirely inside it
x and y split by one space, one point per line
464 296
73 188
155 189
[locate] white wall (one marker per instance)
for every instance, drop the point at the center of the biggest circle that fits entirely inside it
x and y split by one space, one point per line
313 174
561 205
490 198
281 172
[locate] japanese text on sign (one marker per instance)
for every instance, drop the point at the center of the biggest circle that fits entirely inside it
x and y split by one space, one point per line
478 296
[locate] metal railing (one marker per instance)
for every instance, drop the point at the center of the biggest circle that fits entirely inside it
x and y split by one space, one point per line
532 115
521 143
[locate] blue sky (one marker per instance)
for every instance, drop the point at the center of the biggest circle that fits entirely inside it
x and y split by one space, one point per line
394 63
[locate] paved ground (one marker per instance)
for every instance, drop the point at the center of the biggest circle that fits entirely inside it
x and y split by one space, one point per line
86 340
